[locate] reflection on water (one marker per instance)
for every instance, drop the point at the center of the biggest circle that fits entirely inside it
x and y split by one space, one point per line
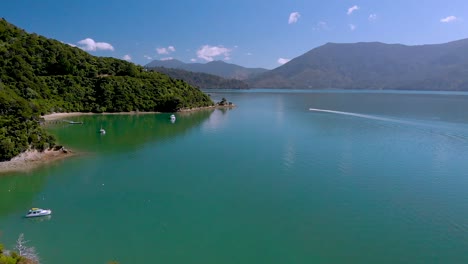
124 133
215 122
39 219
289 156
268 182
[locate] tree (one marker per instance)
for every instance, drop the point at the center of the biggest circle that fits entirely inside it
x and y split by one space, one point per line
223 101
25 251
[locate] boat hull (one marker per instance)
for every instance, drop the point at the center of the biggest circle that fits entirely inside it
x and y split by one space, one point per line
42 213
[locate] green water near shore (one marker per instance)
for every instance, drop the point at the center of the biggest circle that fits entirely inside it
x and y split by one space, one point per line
383 180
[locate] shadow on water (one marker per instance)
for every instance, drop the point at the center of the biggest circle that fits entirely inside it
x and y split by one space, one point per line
39 219
125 132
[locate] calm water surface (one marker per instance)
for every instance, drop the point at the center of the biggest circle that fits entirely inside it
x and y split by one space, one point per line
383 179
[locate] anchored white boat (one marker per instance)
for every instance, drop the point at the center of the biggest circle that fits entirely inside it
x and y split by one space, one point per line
173 118
34 212
102 131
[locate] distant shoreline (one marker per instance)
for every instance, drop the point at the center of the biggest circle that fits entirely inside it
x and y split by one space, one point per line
57 116
206 107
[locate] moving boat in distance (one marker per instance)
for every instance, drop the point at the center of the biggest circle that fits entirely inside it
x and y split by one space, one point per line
173 118
35 212
102 131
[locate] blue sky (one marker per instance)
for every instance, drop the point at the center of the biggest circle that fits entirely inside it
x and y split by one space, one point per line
251 33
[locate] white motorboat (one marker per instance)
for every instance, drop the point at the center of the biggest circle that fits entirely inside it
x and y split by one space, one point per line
34 212
173 118
102 131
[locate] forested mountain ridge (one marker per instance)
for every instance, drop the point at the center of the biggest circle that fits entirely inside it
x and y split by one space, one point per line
374 65
202 80
218 68
40 75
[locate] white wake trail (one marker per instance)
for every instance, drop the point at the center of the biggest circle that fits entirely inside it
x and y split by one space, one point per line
434 129
362 116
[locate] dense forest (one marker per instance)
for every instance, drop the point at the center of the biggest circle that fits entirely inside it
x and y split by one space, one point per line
202 80
40 75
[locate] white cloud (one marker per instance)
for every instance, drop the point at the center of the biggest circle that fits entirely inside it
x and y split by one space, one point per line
321 25
352 27
227 58
208 52
352 9
167 58
372 17
283 60
293 17
89 44
162 51
449 19
249 54
193 60
127 57
165 50
69 44
147 57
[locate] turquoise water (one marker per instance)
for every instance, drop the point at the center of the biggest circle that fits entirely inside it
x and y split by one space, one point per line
383 179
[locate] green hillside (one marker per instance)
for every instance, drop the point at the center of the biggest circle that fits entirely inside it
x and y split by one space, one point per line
40 75
218 68
374 65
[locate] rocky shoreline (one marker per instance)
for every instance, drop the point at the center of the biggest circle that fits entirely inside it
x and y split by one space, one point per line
32 159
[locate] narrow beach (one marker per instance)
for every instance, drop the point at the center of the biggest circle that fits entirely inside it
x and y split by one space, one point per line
57 116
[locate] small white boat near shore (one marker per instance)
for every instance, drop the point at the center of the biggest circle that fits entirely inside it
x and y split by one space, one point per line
35 212
102 131
173 118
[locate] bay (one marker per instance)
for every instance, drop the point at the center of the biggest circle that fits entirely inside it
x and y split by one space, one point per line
380 178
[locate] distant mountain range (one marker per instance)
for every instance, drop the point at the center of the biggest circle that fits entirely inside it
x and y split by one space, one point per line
219 68
374 65
202 80
364 65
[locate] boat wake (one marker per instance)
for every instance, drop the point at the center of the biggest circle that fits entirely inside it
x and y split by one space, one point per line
363 116
439 128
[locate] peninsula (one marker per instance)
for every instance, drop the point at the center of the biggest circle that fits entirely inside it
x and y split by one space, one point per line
40 76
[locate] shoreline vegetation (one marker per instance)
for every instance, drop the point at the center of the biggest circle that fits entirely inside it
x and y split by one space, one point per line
41 76
32 158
